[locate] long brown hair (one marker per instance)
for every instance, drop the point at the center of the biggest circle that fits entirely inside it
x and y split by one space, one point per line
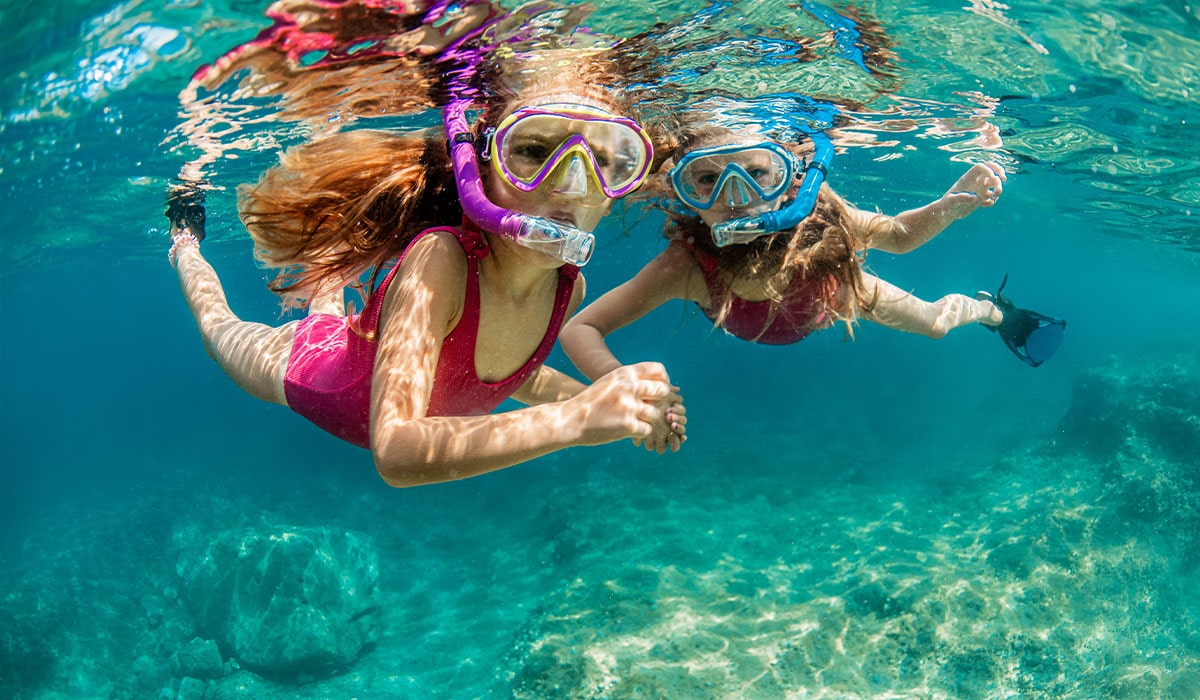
333 209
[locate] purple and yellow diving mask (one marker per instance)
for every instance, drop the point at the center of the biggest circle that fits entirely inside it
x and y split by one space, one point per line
571 151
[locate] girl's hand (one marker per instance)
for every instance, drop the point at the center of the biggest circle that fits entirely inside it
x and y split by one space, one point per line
671 432
628 402
980 186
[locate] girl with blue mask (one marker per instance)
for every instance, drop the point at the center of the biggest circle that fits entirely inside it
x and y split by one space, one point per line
770 253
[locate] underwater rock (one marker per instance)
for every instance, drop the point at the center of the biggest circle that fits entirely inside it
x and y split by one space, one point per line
191 689
200 659
26 660
155 607
149 675
288 603
1151 406
1138 423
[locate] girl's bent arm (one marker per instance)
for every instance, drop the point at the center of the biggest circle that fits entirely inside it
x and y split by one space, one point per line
980 186
547 385
664 278
411 448
428 450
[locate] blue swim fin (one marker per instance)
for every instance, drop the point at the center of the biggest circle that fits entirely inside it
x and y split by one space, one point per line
1032 337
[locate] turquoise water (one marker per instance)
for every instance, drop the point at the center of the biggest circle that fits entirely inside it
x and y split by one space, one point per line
887 517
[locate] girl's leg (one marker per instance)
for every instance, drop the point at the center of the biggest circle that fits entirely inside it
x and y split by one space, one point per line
254 355
898 309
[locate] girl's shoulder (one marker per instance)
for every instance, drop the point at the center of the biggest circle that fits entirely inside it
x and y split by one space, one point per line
441 247
677 272
435 260
683 251
432 274
680 255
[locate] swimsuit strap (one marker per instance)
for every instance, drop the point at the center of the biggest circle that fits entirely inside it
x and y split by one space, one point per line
473 245
472 238
476 248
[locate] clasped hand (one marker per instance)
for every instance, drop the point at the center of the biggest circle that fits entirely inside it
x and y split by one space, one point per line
634 401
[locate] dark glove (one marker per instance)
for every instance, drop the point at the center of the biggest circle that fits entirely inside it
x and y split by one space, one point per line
185 211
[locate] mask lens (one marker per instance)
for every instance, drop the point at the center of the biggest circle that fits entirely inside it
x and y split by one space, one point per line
531 146
733 176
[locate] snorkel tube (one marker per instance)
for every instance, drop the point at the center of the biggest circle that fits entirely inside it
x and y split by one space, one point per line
561 241
747 229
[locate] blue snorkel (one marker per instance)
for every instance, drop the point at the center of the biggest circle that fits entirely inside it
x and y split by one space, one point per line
848 39
747 229
561 241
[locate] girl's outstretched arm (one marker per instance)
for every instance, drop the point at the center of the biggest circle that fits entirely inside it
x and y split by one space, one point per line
903 311
980 186
411 448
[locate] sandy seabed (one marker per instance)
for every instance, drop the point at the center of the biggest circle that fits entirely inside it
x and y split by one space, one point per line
1056 571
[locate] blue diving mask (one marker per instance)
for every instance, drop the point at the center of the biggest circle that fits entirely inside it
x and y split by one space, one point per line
751 178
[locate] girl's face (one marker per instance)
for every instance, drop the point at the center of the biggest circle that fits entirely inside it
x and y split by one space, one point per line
565 211
566 161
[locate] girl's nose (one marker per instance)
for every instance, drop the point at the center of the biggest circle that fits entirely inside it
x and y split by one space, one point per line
736 193
572 178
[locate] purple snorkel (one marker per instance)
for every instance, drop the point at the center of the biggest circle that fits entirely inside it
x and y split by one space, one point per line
463 59
567 243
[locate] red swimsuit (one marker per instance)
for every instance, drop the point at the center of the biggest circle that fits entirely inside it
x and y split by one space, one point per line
328 378
803 309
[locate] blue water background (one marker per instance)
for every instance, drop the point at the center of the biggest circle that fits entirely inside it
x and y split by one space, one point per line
105 379
109 405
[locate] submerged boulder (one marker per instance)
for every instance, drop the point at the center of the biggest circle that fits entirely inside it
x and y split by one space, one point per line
1152 406
287 602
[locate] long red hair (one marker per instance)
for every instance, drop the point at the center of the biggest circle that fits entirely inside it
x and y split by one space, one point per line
338 208
334 209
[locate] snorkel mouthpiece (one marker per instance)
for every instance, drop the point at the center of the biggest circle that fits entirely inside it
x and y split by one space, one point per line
561 241
747 229
567 243
738 231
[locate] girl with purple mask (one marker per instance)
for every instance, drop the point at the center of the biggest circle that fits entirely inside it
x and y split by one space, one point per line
467 314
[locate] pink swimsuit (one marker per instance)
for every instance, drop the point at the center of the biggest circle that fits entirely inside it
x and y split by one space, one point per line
802 311
329 372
